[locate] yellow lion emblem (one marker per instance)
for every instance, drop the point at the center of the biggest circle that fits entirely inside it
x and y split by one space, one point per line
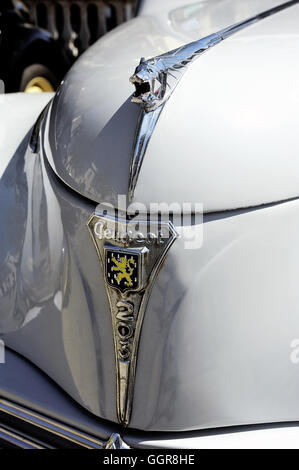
125 268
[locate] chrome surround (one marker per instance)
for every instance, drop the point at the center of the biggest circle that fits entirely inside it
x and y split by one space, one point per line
116 442
63 432
145 126
167 70
127 308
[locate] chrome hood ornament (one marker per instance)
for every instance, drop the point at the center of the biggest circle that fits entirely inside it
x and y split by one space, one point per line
130 262
155 80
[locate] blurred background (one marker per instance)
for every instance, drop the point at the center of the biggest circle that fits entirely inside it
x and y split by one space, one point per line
40 39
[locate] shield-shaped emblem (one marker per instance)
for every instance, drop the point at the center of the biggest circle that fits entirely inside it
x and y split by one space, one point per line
123 269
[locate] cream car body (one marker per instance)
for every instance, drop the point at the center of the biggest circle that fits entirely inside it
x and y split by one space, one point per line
217 341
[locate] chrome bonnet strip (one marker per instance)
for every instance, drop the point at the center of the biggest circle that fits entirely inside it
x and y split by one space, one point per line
155 80
12 439
40 423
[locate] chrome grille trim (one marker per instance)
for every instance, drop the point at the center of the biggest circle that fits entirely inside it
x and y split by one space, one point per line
19 418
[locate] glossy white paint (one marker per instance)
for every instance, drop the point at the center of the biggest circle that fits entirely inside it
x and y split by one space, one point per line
204 17
18 112
231 123
267 438
220 352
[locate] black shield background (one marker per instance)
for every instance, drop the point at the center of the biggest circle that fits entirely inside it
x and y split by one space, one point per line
111 274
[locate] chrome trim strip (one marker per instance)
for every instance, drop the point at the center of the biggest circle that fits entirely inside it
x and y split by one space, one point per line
42 422
166 70
17 441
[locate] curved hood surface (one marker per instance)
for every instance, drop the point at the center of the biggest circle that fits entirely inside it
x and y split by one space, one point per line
226 138
216 340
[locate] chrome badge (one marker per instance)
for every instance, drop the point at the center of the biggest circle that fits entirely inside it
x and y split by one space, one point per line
130 259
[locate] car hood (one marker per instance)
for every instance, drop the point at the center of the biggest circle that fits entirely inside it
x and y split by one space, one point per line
226 138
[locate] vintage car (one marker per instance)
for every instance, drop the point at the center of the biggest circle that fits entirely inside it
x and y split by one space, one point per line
149 237
31 59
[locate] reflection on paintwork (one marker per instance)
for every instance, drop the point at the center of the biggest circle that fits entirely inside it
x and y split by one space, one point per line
214 346
53 319
208 16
